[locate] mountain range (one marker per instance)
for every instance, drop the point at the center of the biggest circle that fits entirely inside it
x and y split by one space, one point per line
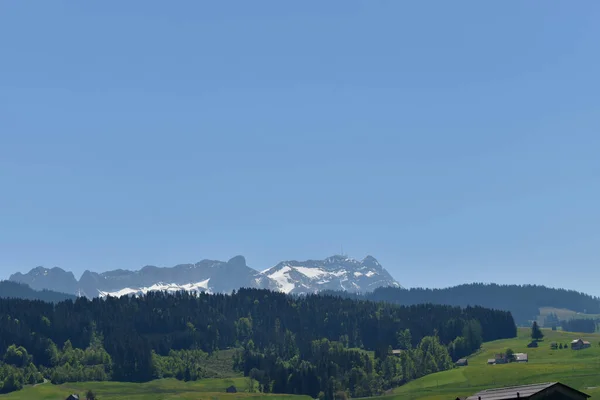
292 277
335 276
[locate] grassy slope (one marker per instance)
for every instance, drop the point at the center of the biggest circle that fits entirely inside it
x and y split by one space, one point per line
163 389
220 365
579 369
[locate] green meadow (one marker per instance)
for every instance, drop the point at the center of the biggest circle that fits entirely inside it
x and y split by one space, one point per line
163 389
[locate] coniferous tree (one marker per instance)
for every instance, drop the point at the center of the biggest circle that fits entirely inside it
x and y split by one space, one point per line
536 332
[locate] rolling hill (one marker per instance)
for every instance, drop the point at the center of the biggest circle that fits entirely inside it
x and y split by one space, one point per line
523 301
9 289
578 369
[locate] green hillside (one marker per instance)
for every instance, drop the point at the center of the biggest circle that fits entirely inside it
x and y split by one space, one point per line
579 369
163 389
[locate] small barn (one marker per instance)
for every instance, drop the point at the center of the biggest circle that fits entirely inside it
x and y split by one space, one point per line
579 344
492 361
521 357
231 389
463 362
73 397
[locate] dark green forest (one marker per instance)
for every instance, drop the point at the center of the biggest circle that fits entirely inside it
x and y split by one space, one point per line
579 325
523 301
586 325
313 345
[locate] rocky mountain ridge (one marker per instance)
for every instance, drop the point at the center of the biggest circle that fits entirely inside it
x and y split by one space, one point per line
296 277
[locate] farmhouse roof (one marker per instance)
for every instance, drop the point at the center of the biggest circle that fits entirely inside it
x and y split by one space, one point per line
514 392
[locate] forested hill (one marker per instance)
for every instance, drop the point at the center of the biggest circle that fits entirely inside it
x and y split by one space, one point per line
9 289
306 344
523 301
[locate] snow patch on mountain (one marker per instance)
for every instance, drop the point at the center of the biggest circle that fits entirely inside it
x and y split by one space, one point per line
311 272
159 287
283 280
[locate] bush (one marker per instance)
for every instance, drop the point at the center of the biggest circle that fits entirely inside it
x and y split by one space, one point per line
341 395
510 355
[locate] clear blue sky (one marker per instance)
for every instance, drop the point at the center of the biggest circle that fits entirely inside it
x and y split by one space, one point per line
453 141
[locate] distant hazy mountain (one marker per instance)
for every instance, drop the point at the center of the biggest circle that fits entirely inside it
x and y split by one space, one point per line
333 273
41 278
17 290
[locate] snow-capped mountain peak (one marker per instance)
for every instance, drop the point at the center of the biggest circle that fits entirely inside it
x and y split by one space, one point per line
333 273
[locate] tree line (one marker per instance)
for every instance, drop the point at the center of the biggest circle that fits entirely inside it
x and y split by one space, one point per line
523 301
308 345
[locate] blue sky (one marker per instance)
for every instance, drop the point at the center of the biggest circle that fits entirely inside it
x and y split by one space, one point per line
453 141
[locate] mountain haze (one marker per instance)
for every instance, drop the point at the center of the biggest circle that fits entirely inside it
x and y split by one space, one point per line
41 278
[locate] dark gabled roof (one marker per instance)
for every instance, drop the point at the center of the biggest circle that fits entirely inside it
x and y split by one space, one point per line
524 391
510 392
